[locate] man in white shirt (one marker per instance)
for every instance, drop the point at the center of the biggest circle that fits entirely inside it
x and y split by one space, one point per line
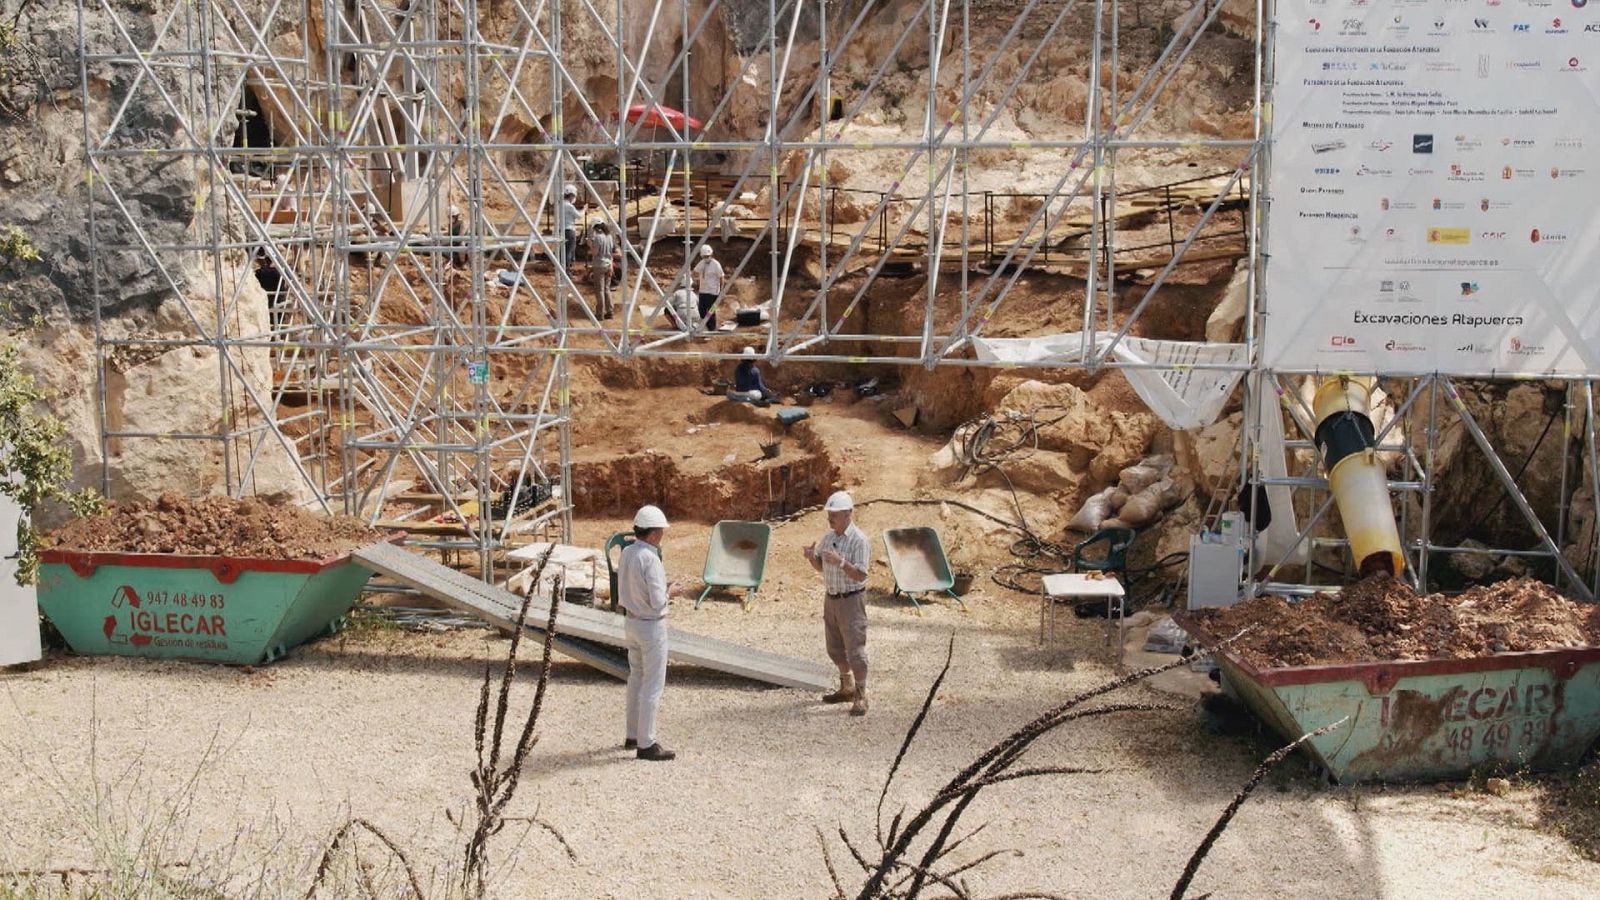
708 274
642 593
567 220
842 556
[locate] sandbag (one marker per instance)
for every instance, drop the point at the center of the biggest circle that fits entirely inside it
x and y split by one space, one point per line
1137 477
1118 497
1141 509
1093 511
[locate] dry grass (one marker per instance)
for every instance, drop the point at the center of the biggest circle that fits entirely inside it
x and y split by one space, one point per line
1570 807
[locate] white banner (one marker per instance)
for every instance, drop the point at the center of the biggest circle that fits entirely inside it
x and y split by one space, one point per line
1182 396
1435 194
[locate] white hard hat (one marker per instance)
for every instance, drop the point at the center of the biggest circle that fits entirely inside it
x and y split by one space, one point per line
750 352
455 211
569 191
705 249
839 501
650 517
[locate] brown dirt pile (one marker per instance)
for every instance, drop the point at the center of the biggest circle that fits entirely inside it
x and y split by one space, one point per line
1382 619
214 526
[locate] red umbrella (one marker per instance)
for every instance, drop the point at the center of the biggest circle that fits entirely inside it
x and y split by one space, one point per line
657 116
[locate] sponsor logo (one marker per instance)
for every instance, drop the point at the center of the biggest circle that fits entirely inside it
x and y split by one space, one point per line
1373 172
1419 170
1468 288
1574 65
1579 4
1466 143
1555 27
1326 170
1326 191
1483 65
1341 342
1380 145
1439 29
1387 204
1327 146
1397 26
1481 25
1440 66
1315 25
1520 347
1475 349
1391 234
1591 29
1507 173
1525 65
1520 143
1352 28
1543 236
1422 143
1491 235
1569 143
1355 234
1449 235
1384 66
1338 67
1389 286
1459 172
1520 28
1403 347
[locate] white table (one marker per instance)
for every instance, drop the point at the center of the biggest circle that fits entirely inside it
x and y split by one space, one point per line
566 561
1075 586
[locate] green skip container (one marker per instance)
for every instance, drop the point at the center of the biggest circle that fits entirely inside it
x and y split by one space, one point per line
1428 720
206 608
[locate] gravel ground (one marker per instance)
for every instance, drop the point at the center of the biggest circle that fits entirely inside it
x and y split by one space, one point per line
262 765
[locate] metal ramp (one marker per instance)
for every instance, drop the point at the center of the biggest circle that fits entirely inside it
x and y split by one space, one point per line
586 634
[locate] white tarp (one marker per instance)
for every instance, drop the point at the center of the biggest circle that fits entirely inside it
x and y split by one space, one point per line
1282 535
1433 185
1182 396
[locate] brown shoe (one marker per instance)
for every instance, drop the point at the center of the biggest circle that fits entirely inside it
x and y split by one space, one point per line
859 708
840 696
655 752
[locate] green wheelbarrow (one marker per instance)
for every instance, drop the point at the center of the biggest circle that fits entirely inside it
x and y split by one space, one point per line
918 564
737 558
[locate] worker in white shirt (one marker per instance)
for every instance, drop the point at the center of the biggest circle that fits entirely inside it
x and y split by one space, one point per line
842 556
642 593
568 223
708 275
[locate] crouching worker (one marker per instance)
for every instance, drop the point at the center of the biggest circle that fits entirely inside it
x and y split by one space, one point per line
642 592
747 380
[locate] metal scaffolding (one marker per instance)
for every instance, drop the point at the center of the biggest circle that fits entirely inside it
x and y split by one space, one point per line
390 174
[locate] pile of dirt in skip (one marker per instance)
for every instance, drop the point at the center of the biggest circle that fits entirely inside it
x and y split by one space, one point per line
215 526
1380 619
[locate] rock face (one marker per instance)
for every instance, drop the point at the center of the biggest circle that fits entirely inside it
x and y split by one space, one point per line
1081 447
1523 423
168 390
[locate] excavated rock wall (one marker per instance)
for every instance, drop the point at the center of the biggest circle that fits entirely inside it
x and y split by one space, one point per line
49 304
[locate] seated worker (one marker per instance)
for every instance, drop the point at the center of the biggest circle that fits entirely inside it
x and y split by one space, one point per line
747 379
680 309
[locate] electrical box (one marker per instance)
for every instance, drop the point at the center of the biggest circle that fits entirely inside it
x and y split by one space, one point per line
1216 567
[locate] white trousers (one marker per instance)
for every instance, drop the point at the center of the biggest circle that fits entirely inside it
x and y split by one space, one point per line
647 675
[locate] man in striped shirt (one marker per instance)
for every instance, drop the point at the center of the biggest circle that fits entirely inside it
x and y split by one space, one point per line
842 556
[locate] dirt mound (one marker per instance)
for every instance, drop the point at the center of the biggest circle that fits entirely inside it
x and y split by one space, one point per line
215 526
1382 619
